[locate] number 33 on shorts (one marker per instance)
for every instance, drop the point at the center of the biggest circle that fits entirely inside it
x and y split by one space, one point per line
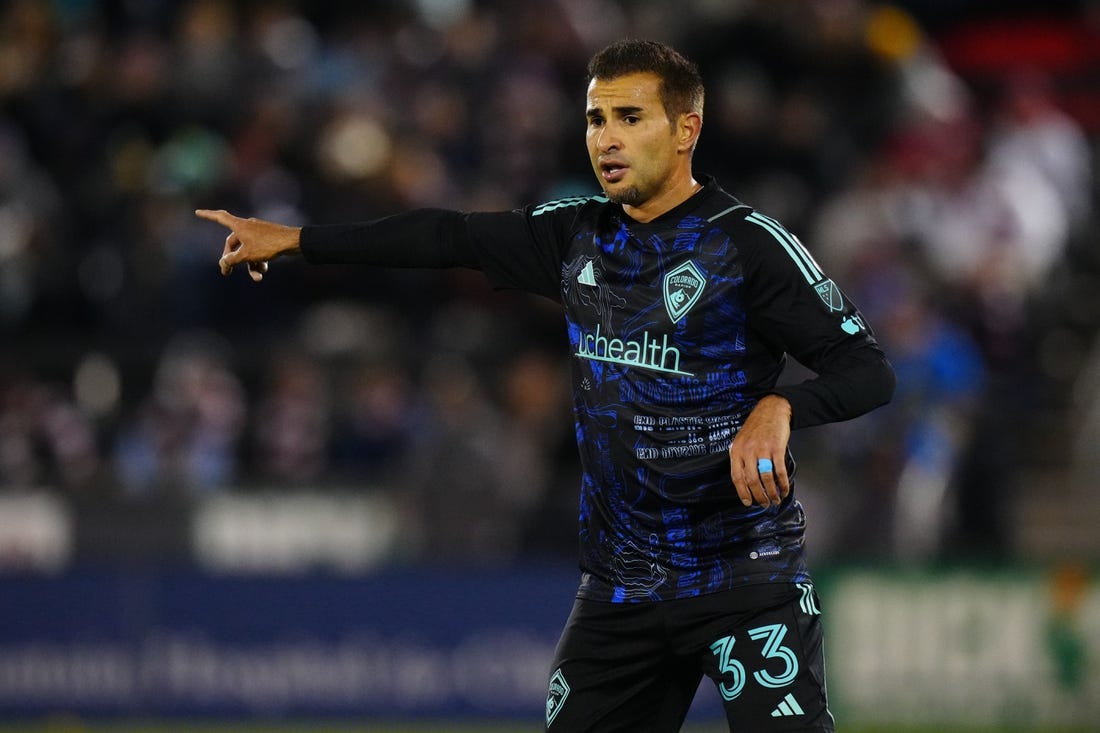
772 636
774 670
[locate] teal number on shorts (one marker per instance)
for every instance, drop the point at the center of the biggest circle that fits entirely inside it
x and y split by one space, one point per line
773 649
723 649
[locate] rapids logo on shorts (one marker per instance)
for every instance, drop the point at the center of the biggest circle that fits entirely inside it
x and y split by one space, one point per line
682 289
555 697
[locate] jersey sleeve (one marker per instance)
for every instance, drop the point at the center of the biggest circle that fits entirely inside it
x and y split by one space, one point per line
517 249
523 249
431 238
795 308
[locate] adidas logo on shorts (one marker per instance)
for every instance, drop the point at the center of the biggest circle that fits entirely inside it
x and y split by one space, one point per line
788 706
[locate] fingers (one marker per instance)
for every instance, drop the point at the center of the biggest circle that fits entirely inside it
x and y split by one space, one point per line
768 484
741 483
221 216
232 242
233 253
758 452
783 481
751 488
760 483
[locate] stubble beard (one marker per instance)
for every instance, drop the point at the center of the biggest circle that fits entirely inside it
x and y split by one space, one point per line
629 196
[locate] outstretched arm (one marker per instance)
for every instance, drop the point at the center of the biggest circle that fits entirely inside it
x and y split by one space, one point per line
515 249
252 241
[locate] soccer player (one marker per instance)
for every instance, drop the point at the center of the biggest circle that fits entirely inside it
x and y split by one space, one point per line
681 304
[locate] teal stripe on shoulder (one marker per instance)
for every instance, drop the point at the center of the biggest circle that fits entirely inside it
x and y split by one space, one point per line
794 240
806 263
567 202
731 209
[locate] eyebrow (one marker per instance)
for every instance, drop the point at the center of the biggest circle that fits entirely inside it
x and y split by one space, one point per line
620 111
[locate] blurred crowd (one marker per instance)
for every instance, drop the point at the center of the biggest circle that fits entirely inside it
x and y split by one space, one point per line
945 182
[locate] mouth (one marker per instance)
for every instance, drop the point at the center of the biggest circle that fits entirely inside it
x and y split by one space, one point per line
613 171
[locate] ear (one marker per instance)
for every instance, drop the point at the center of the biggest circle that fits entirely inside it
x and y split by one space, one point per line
688 128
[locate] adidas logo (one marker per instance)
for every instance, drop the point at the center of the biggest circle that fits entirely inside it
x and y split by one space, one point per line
587 276
788 707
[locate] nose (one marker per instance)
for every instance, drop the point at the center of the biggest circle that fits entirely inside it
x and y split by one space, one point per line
607 140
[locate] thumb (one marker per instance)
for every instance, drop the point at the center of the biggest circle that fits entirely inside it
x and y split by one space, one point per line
257 270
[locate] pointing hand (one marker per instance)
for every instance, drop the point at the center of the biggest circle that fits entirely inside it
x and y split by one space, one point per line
252 241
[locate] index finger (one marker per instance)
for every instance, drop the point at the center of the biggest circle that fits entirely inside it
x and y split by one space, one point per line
221 216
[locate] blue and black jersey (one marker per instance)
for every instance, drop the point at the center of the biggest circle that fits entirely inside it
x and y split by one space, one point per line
676 327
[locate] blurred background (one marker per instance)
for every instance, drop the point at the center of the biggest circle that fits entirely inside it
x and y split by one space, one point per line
350 494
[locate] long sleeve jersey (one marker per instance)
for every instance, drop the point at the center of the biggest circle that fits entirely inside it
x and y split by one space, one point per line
676 327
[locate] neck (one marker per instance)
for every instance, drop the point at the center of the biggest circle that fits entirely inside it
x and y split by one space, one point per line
665 201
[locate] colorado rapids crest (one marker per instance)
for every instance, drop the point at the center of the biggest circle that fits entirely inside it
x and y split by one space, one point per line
682 288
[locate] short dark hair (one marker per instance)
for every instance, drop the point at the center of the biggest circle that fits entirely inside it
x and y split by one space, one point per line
681 87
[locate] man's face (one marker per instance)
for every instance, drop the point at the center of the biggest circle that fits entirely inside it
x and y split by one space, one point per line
632 145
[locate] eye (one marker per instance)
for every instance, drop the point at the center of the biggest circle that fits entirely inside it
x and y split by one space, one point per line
595 121
632 119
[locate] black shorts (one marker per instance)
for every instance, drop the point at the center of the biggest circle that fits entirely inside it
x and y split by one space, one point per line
636 667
